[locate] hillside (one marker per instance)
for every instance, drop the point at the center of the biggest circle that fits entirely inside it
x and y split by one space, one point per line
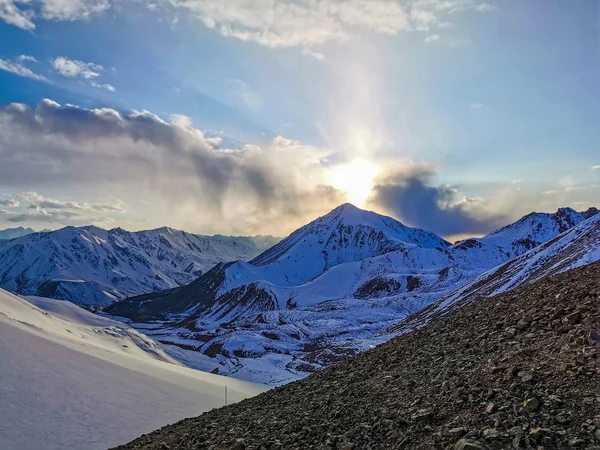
73 380
98 267
515 370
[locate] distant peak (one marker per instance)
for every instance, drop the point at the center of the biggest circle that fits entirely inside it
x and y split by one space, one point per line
565 211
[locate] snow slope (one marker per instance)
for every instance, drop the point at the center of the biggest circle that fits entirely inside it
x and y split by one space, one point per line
97 266
73 380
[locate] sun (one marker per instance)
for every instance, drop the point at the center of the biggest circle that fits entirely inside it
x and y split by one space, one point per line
355 179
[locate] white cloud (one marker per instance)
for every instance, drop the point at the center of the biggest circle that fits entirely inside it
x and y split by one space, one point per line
432 38
37 201
20 14
596 167
11 203
477 105
13 15
23 58
308 23
308 52
76 69
20 69
108 87
70 10
280 141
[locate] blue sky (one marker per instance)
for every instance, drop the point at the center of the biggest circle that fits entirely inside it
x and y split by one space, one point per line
489 107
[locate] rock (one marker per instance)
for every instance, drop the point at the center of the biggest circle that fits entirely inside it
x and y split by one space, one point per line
423 415
525 376
490 433
531 405
536 434
464 444
239 445
164 446
490 408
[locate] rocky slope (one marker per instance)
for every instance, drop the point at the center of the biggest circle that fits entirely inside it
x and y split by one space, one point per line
238 320
517 370
92 266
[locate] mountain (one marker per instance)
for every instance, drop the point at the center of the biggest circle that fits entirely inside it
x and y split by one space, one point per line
515 239
575 247
347 234
74 380
93 266
517 370
246 320
11 233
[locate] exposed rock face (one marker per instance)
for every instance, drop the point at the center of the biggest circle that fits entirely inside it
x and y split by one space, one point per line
517 370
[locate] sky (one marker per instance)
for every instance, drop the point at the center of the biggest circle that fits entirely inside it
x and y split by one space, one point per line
256 116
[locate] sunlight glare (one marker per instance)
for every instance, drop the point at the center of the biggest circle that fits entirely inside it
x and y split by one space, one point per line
356 179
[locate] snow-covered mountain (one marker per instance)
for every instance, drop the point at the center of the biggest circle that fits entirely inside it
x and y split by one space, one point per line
345 235
74 380
249 319
575 247
11 233
98 266
517 238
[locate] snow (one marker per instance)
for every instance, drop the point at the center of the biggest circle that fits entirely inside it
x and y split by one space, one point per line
74 380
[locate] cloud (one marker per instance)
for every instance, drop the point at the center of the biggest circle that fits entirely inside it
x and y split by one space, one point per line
70 10
432 38
76 69
23 58
184 174
411 196
308 52
20 14
37 201
11 203
71 68
308 23
39 215
108 87
18 68
596 167
13 15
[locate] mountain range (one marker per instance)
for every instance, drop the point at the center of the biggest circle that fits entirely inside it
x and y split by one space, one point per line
11 233
333 288
91 266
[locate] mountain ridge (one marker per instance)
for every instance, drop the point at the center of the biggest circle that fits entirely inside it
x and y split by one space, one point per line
101 266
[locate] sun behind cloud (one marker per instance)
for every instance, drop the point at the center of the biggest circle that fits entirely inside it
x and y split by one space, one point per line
355 179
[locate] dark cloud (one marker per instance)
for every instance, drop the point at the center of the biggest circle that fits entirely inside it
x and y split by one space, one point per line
413 199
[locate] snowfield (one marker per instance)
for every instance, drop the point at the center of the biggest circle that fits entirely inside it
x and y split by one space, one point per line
72 380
